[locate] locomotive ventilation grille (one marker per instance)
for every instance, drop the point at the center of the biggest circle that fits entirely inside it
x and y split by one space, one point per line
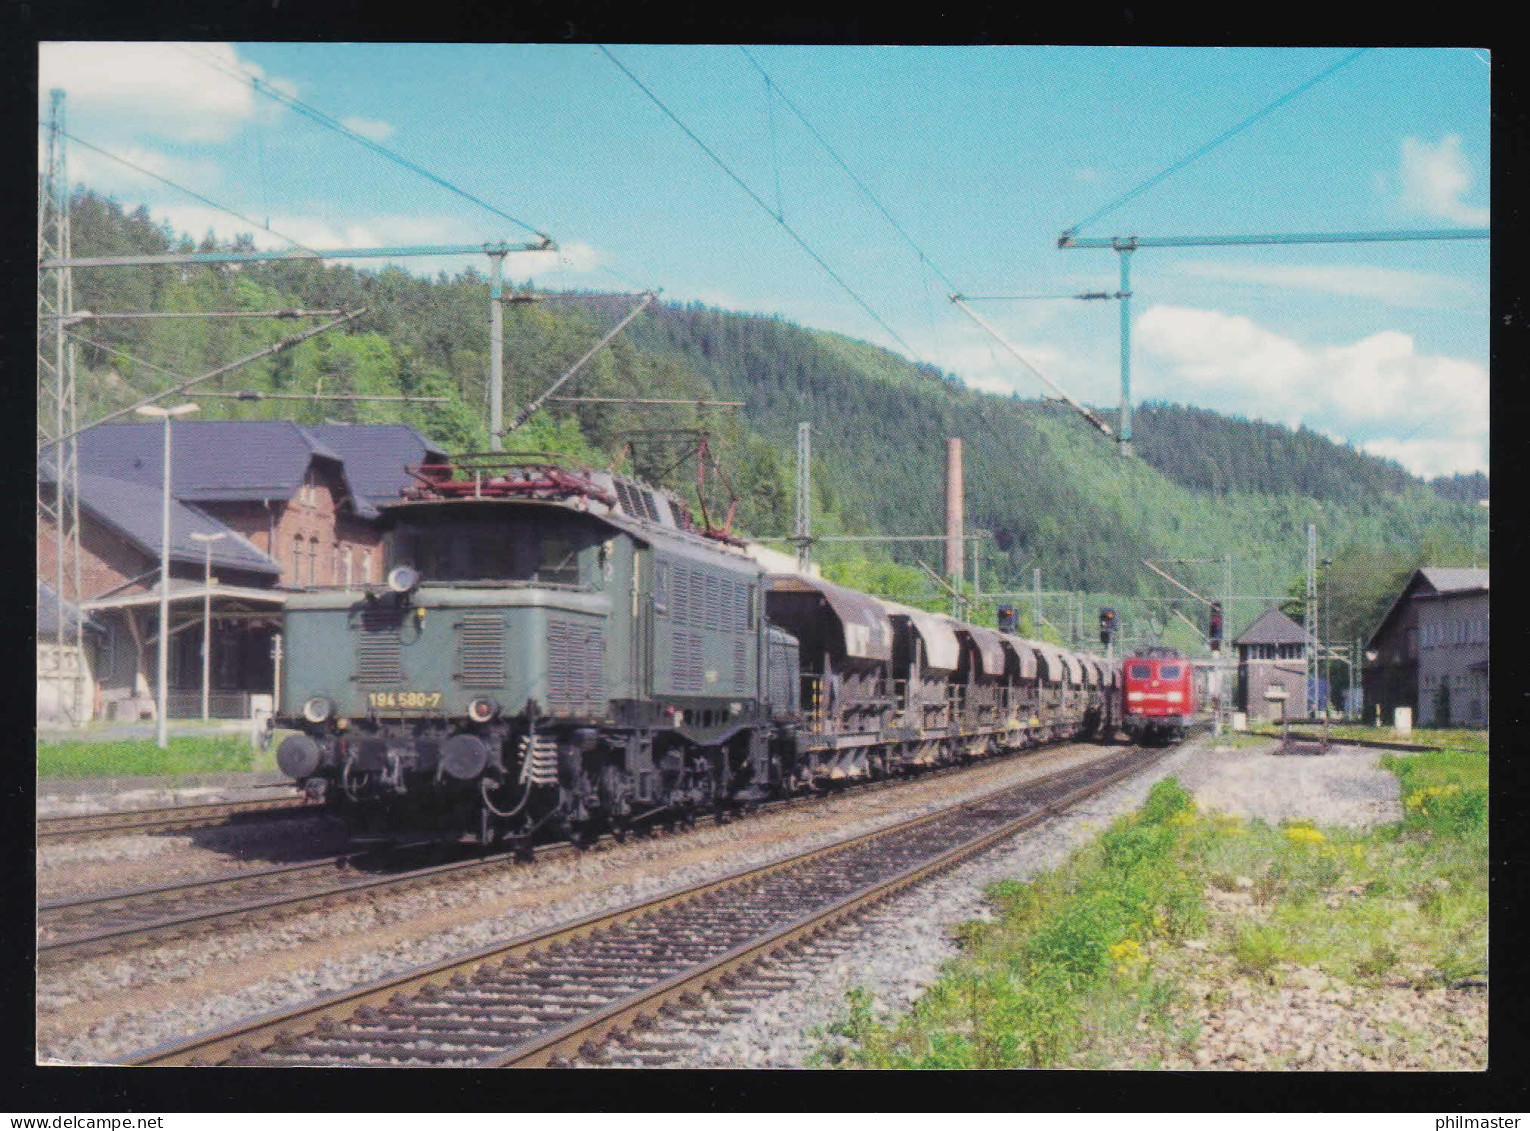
686 661
379 658
576 666
481 650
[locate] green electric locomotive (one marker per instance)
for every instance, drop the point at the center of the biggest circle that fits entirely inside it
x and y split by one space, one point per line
553 650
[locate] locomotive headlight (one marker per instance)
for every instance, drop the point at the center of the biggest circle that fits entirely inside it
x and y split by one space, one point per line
403 579
482 709
317 709
1174 696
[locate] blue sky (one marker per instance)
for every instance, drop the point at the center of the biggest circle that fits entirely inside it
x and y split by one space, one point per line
982 155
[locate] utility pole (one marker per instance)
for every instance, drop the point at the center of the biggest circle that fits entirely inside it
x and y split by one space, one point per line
162 705
804 525
1309 621
1036 600
1125 245
1225 697
207 541
496 351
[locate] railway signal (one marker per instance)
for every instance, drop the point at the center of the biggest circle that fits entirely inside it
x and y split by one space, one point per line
1214 626
1107 626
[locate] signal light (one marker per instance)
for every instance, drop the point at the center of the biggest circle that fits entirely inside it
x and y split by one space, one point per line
1107 625
1214 628
1006 618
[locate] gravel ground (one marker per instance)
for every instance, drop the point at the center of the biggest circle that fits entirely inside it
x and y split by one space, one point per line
98 1009
74 797
104 1009
1303 1021
136 860
897 952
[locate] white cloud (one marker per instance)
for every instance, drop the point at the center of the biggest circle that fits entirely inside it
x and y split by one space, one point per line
1431 458
1399 288
573 256
1435 177
316 232
369 127
108 176
1434 408
166 90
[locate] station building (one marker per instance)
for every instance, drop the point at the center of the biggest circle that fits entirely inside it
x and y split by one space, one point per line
274 507
1430 651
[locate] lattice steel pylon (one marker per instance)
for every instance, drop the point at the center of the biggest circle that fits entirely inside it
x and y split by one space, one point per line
58 504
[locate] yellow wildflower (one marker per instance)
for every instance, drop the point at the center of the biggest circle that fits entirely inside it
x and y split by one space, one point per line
1125 949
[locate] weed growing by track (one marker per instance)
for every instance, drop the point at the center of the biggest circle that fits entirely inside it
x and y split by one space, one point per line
1087 966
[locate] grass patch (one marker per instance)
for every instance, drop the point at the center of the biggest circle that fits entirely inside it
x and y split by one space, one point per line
1078 970
187 754
1063 973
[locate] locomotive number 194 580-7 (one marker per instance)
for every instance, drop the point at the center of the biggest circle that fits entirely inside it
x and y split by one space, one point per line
403 700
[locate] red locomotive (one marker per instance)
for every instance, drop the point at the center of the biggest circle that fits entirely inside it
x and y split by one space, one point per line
1158 695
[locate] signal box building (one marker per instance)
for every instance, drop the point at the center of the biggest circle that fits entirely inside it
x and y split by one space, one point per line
1431 650
1271 654
265 507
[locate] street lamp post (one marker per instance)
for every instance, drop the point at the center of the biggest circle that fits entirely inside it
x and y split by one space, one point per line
207 541
162 736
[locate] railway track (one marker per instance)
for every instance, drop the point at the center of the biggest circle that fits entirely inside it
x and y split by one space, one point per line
75 927
90 825
542 998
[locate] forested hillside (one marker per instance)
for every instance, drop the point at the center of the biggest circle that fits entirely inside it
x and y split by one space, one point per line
1052 494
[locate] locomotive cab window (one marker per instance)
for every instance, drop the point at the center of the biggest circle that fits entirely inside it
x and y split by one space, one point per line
538 546
1168 671
1139 671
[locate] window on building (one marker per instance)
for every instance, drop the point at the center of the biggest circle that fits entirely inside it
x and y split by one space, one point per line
366 566
348 566
297 559
313 561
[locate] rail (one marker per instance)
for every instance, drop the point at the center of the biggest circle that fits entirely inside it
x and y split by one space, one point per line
453 1003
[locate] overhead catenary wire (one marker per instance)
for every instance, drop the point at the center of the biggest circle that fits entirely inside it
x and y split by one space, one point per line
316 115
189 192
1218 140
723 165
924 258
838 160
182 386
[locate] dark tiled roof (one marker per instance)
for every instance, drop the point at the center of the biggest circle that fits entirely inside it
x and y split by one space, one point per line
48 610
1429 581
223 460
211 460
374 456
1274 627
135 511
